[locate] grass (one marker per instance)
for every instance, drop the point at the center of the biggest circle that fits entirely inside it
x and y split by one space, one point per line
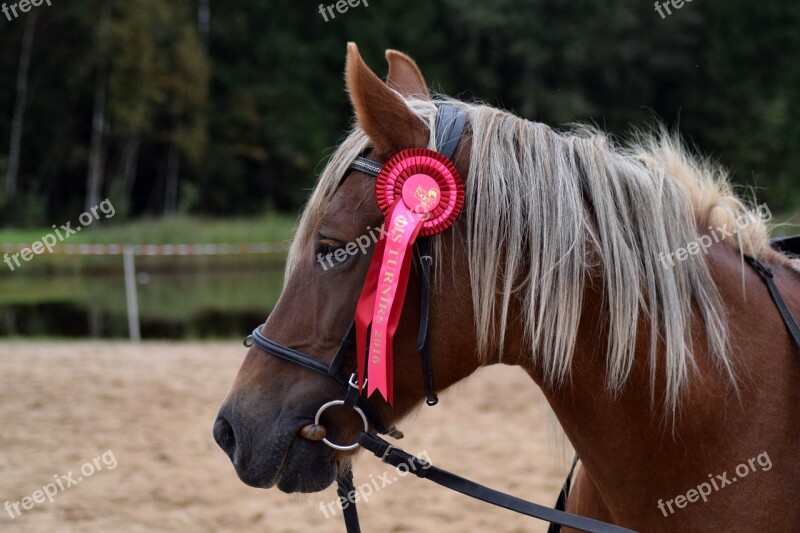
171 230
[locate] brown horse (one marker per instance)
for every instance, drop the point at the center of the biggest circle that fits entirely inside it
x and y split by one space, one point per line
613 275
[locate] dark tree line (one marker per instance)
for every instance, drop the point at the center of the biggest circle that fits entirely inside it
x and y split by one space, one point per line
228 109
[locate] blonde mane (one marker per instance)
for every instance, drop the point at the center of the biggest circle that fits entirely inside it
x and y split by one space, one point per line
545 209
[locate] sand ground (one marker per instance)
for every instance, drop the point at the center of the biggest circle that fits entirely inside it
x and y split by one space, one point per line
150 409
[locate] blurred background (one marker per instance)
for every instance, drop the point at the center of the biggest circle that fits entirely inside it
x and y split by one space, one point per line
182 138
205 122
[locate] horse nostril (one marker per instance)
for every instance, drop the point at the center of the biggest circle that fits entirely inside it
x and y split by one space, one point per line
224 435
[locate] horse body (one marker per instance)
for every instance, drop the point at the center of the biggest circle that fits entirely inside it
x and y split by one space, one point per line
632 459
661 380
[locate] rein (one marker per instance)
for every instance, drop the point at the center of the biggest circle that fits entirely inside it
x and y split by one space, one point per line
450 124
390 454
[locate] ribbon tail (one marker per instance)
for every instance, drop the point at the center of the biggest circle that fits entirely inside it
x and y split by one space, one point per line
366 303
397 309
404 225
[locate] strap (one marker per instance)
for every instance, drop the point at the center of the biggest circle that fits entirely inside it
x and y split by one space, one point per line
790 245
766 274
345 349
425 258
288 354
561 502
344 487
308 362
396 457
427 374
449 127
367 166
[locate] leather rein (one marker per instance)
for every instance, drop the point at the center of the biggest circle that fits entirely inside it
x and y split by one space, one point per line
450 124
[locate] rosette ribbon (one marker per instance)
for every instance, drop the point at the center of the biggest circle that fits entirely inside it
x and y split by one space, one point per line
420 194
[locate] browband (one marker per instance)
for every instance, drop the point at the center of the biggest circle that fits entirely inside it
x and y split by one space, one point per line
450 122
367 166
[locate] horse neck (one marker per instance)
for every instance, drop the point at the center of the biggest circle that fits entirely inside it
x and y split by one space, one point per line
632 451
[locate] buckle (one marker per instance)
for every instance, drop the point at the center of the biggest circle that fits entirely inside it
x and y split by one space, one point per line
387 452
352 381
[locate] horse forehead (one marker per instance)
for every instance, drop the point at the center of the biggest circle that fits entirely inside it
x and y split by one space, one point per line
354 201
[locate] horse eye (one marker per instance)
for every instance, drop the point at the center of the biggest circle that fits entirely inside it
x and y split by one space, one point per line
326 253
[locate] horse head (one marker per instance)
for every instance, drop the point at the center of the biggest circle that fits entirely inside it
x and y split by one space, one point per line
271 401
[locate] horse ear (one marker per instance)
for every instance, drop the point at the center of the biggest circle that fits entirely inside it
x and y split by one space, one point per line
405 76
380 112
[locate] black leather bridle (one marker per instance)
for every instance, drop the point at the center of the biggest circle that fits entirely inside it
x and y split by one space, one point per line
450 124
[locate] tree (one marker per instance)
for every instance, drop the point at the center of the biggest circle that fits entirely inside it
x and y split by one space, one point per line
19 107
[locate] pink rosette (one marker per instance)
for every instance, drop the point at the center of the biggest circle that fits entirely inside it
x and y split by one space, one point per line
420 193
421 161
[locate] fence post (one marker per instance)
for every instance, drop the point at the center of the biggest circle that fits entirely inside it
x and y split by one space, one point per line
130 293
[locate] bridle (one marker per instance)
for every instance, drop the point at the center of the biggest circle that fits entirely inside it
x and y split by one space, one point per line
449 128
450 123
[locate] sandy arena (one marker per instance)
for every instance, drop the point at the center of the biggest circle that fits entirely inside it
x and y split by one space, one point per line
152 406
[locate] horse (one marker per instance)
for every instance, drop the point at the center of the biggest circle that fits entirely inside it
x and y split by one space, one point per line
613 273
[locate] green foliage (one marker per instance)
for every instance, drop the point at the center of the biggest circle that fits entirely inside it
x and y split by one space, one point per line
24 209
255 110
752 93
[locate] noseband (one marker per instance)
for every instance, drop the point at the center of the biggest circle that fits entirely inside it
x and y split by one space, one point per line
450 124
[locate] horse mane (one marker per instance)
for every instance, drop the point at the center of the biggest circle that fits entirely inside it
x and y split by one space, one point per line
547 211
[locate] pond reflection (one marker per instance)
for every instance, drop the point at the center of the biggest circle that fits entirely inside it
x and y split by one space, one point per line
204 303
